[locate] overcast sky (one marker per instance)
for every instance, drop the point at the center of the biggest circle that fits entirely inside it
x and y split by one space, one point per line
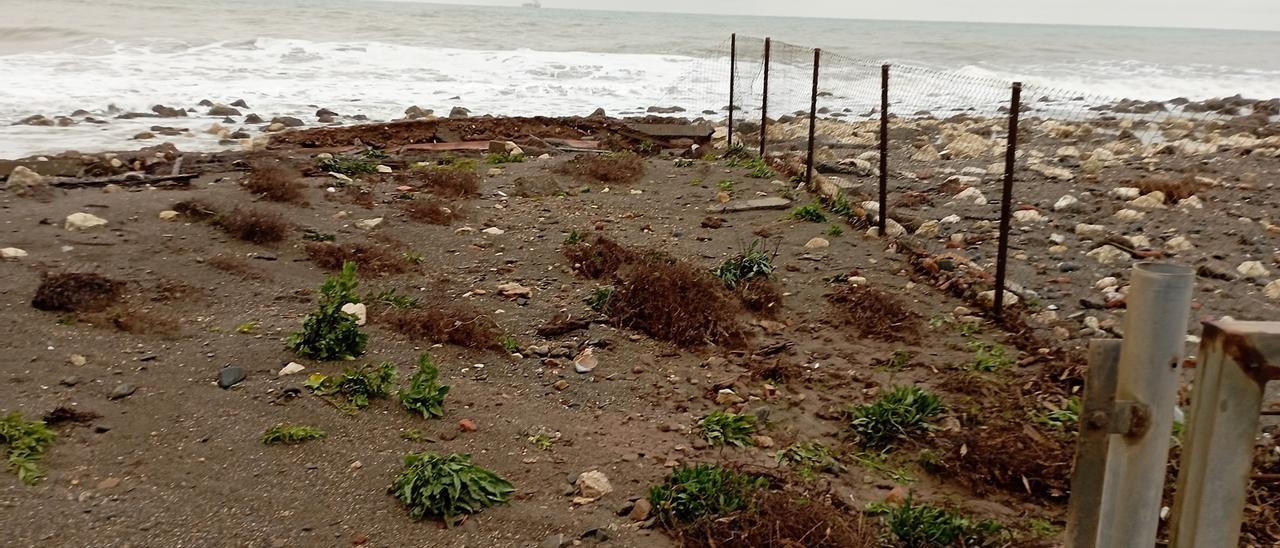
1229 14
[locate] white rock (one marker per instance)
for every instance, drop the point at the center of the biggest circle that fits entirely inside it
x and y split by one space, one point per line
585 362
1058 249
1102 155
1125 215
1191 202
893 228
1053 172
1138 241
368 224
1272 290
593 484
1125 192
1109 281
1108 254
21 180
950 219
493 230
12 253
1091 231
972 195
1178 244
926 154
871 206
168 215
340 177
1057 238
384 169
973 171
988 298
1066 203
1068 152
817 243
514 290
83 221
1028 216
358 310
292 369
966 180
495 171
928 229
1253 269
1153 200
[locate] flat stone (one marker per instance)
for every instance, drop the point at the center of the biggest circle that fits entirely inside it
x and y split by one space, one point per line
12 253
122 391
230 376
593 484
758 204
83 221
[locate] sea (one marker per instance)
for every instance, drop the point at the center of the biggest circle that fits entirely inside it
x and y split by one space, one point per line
376 58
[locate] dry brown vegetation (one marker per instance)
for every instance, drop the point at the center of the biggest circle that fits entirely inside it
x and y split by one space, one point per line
620 167
874 313
442 322
138 321
1004 452
676 302
443 181
233 265
913 199
256 225
760 295
76 292
197 210
431 210
781 520
600 258
276 181
373 259
1173 190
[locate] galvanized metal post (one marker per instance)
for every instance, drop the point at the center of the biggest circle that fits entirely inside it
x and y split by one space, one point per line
1155 329
1006 198
733 72
1236 361
884 148
764 98
813 117
1092 444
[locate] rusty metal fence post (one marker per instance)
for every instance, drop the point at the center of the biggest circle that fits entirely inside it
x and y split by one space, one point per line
884 148
733 73
813 117
1006 198
764 98
1236 361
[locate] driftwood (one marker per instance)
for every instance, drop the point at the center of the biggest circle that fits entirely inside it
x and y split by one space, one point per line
128 180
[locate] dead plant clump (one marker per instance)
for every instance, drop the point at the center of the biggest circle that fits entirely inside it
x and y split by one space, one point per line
373 260
620 167
76 292
442 322
1262 506
760 295
233 265
277 182
1173 190
134 320
781 519
874 313
431 210
1009 455
598 259
197 210
259 226
675 302
69 415
444 181
913 199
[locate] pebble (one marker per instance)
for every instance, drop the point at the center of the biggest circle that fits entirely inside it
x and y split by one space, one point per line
230 376
493 230
290 369
593 484
467 425
123 391
12 253
585 362
817 243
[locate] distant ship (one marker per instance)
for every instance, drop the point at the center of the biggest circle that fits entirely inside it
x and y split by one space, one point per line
533 4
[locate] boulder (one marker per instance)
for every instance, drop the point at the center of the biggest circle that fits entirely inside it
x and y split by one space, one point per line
1091 231
664 110
1125 192
416 112
971 195
926 154
1126 215
1109 254
287 121
1253 269
1028 216
1272 290
35 120
83 221
593 484
1178 244
459 112
169 112
817 243
1066 203
1153 200
253 119
23 181
368 224
223 110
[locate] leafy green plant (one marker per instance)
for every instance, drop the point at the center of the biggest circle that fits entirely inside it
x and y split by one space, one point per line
412 256
500 158
26 442
357 386
1042 528
808 459
598 300
542 441
812 213
574 237
725 185
835 230
246 328
291 435
879 461
841 206
510 344
425 395
923 526
751 263
447 486
311 235
900 412
329 333
683 162
692 493
720 428
737 150
390 297
414 435
761 172
455 162
989 357
1066 418
899 360
366 162
758 168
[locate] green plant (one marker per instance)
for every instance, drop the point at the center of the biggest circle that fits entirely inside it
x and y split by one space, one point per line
812 213
542 441
412 256
835 230
598 300
924 526
645 147
761 172
808 459
1042 528
683 162
510 344
879 461
725 185
1066 418
751 263
574 237
357 386
899 360
691 493
291 434
366 162
900 412
425 395
246 328
329 333
311 235
758 168
720 428
454 162
841 206
414 435
504 158
989 357
737 150
446 486
27 442
389 297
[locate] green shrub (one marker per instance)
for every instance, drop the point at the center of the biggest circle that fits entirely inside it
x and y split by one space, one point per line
446 486
1067 418
329 333
808 459
812 213
26 442
510 344
900 412
841 206
751 263
291 434
835 231
682 162
924 526
366 162
720 428
357 386
725 185
574 237
990 357
702 491
425 395
598 300
504 158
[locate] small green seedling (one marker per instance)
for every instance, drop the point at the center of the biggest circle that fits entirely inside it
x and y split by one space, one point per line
504 158
391 298
598 300
356 386
291 435
721 428
542 441
448 486
1067 418
683 162
924 526
835 231
900 412
25 444
811 213
990 357
425 395
246 328
751 263
808 459
725 185
692 493
574 237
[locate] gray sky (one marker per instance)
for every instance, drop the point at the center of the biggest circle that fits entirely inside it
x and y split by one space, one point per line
1229 14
